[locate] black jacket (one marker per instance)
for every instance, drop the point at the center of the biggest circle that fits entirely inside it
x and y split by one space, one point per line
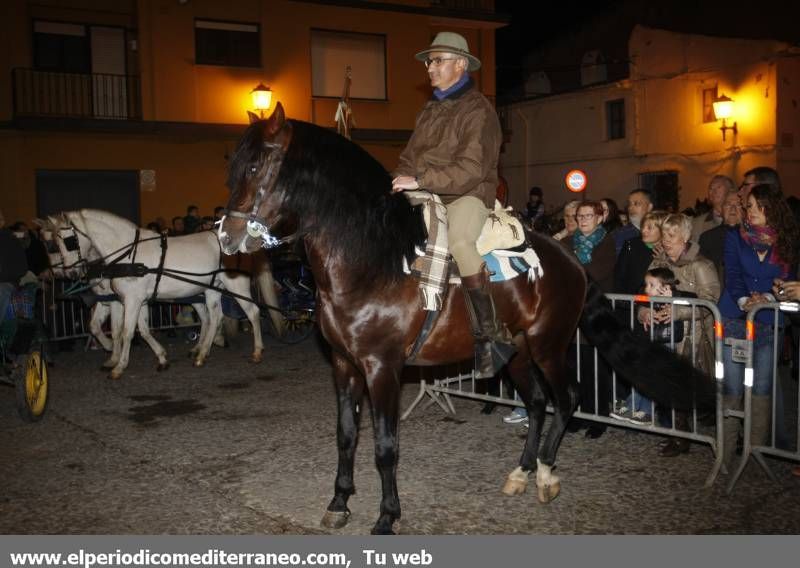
633 261
712 246
12 257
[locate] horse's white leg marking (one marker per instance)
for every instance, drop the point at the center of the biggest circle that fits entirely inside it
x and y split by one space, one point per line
548 484
517 482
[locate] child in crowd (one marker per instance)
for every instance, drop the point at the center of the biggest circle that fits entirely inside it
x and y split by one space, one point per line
659 281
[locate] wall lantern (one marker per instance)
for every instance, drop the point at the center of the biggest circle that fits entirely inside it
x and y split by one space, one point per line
723 108
262 98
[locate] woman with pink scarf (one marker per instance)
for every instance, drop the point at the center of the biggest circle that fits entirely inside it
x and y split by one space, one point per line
761 250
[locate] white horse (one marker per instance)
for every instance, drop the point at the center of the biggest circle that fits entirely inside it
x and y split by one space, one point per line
69 266
196 255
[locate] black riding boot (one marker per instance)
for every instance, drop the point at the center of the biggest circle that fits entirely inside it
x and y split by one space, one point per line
492 347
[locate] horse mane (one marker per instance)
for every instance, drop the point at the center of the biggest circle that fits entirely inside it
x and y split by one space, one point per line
341 193
114 220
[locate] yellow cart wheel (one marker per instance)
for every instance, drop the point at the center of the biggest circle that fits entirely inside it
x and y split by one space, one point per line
31 384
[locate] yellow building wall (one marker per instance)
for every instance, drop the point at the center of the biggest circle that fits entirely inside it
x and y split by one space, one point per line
175 89
664 121
788 160
191 168
188 171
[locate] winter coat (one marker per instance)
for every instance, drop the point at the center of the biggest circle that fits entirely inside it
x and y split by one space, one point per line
712 246
633 261
696 274
745 273
601 267
455 147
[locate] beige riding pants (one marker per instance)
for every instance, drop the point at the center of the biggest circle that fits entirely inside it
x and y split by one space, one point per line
465 218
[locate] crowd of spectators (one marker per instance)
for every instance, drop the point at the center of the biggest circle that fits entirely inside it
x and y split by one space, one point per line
737 249
192 222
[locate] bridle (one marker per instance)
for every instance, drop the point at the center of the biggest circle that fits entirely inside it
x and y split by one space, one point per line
71 244
257 226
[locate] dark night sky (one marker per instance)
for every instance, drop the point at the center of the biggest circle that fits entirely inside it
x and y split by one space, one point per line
536 23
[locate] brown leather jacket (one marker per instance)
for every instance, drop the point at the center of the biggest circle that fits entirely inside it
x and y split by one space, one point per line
455 147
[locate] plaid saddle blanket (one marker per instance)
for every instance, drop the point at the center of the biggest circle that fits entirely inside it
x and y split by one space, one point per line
432 265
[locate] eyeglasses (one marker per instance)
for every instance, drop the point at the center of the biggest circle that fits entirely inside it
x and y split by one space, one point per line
585 216
437 61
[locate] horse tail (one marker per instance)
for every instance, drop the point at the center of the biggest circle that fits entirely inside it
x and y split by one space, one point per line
650 367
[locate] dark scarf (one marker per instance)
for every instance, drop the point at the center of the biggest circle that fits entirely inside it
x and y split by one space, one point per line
584 245
455 90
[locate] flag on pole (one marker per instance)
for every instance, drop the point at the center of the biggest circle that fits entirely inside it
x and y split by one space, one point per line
344 114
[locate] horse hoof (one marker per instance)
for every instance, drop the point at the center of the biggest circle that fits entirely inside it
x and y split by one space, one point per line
335 519
114 376
514 487
549 492
392 529
199 363
256 358
516 483
162 367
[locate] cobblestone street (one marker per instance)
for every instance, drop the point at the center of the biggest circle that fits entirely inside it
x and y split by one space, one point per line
238 448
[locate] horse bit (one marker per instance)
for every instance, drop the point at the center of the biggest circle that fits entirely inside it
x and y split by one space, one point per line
257 226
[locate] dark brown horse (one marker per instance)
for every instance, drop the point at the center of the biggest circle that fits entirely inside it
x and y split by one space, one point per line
294 180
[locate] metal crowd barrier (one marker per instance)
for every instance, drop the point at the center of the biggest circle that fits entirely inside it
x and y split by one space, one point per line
65 316
464 384
770 448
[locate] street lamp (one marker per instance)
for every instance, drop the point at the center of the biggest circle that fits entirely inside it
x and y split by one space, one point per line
723 108
262 98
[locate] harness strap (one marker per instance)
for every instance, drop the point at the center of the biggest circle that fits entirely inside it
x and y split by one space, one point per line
225 292
160 269
131 249
135 245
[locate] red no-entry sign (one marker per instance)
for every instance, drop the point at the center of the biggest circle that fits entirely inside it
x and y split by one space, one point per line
576 180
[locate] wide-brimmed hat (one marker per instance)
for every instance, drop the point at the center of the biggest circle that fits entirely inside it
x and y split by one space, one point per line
450 42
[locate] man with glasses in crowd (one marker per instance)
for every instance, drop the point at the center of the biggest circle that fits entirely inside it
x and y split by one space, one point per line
453 152
756 176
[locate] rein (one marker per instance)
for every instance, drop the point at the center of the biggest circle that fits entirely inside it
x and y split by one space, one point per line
117 269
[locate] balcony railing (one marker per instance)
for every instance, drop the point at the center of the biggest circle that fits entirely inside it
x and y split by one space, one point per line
464 5
76 95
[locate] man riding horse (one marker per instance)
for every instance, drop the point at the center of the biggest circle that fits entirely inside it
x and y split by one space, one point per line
453 152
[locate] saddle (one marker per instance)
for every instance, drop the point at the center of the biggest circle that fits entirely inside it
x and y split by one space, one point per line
502 244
